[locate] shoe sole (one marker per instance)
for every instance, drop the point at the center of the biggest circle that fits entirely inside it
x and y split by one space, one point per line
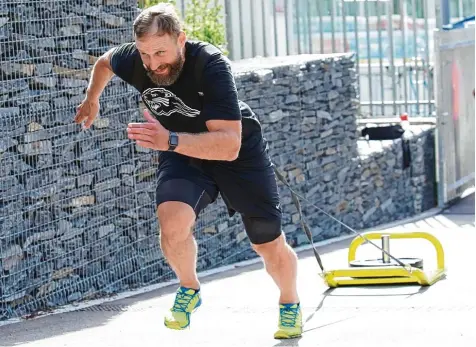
179 327
286 337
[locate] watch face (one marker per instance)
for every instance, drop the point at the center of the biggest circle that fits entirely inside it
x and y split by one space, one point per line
173 140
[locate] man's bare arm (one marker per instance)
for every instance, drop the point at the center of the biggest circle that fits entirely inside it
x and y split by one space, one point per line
222 142
101 74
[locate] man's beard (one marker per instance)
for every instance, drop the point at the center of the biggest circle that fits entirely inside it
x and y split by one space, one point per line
172 75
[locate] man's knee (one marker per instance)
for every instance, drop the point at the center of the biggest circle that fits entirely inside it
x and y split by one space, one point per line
265 234
176 220
272 248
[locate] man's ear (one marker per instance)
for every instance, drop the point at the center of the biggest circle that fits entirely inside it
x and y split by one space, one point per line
182 37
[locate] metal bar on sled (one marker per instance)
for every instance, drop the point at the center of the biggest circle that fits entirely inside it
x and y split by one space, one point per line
353 276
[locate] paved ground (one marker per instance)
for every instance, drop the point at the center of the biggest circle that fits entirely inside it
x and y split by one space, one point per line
240 305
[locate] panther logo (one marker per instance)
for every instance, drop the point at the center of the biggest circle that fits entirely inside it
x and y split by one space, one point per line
165 103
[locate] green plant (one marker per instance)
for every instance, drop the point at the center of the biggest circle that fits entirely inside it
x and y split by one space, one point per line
202 21
148 3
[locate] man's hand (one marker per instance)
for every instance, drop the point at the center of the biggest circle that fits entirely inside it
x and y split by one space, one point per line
87 111
221 142
149 135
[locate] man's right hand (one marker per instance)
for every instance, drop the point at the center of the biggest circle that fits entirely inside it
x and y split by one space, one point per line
87 112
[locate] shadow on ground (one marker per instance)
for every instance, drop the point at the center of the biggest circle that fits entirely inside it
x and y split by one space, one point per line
44 327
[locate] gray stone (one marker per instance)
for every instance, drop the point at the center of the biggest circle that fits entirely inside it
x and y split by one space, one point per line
17 70
73 83
278 115
7 143
323 114
112 21
11 257
40 236
43 82
109 184
106 230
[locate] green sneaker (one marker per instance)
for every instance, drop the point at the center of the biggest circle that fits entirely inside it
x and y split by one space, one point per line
186 301
290 321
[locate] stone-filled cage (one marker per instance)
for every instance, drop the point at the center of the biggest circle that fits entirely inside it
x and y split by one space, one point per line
77 206
70 216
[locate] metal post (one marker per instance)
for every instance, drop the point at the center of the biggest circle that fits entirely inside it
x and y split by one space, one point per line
445 12
275 30
309 26
264 27
242 30
182 8
390 10
229 29
287 25
440 120
369 54
298 25
386 248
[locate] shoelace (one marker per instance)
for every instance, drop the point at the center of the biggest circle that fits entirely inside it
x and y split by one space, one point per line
288 316
181 302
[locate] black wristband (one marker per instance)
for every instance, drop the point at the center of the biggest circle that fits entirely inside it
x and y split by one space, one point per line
173 141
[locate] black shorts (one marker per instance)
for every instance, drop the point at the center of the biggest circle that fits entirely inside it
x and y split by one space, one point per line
249 190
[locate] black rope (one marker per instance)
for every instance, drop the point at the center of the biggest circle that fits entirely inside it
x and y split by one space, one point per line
306 228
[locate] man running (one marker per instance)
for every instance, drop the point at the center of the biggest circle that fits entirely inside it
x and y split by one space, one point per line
209 143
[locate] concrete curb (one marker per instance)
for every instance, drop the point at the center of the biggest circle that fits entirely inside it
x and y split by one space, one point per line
204 274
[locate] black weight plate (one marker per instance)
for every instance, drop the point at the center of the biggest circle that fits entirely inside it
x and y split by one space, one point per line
414 262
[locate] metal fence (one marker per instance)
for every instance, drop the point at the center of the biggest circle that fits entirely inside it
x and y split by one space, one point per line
393 41
455 71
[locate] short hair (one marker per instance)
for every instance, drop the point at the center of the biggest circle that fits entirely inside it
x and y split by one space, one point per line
162 18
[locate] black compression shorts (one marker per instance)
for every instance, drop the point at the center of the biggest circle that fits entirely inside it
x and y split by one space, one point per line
249 190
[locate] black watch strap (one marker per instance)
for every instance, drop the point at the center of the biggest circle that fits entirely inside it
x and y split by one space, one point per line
173 141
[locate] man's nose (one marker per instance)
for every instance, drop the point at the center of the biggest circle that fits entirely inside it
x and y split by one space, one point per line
155 63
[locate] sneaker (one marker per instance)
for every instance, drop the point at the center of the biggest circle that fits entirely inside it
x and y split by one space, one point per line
290 321
186 301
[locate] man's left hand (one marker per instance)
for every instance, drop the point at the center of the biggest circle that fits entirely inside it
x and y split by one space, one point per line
149 135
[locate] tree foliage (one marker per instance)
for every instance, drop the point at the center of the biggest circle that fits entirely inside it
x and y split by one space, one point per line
203 21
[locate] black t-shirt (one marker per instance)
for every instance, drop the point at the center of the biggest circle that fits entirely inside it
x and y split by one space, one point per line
183 106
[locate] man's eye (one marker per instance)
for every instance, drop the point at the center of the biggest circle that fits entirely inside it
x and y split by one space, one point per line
160 52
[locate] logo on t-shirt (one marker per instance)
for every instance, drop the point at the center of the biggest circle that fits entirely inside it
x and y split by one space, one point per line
163 102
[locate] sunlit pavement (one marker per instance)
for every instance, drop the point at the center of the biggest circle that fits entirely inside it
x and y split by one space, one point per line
240 306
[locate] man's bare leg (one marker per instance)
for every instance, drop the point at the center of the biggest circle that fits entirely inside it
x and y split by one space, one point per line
280 262
176 221
178 244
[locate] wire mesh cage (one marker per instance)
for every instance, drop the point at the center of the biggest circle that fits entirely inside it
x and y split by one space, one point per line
77 207
68 205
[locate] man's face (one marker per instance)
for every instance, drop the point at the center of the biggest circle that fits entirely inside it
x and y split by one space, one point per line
162 56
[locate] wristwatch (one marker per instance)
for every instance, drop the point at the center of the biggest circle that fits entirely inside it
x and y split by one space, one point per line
173 141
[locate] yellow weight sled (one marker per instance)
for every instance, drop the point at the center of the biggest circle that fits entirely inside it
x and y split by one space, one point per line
387 270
